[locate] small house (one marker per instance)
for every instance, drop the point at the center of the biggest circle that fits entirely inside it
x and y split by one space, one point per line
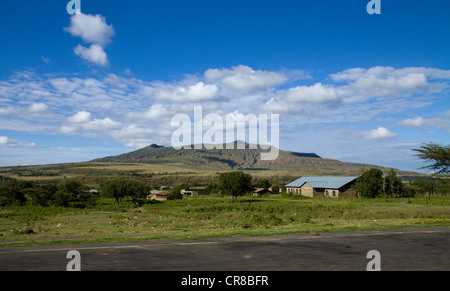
328 186
260 192
189 193
158 195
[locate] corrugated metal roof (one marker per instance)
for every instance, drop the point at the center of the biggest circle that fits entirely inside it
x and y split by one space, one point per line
329 182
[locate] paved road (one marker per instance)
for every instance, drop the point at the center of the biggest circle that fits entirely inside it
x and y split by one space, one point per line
403 249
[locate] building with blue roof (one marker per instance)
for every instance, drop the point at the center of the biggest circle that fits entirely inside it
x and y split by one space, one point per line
329 186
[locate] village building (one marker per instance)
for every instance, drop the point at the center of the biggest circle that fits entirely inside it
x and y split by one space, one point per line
189 193
158 195
260 192
328 186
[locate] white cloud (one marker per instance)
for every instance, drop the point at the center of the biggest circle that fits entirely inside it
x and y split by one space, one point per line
413 122
243 79
91 28
84 123
136 136
363 84
94 54
379 133
81 117
156 111
381 72
198 92
5 141
303 100
37 108
136 112
374 86
317 93
102 124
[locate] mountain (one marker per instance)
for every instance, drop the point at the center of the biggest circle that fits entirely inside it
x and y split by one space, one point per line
242 159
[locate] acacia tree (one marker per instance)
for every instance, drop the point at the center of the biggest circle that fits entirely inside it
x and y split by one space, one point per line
235 183
120 188
438 155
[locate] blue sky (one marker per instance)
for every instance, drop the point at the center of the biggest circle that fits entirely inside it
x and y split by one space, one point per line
347 85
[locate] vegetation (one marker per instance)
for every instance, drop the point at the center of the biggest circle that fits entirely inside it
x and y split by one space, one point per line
120 188
370 183
235 184
49 203
212 215
439 156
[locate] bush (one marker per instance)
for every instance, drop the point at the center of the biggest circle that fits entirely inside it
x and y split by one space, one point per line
370 183
11 194
120 188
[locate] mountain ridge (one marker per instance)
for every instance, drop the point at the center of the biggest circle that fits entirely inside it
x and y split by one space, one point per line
243 159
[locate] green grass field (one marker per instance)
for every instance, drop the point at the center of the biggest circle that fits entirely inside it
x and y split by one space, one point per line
212 216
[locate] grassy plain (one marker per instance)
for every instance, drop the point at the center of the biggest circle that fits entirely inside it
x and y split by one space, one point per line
211 216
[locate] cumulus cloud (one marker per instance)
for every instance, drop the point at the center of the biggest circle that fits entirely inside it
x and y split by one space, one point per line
81 117
413 122
243 79
317 93
156 111
382 72
374 86
94 54
84 123
37 108
5 141
363 84
379 133
198 92
303 100
102 124
136 112
91 28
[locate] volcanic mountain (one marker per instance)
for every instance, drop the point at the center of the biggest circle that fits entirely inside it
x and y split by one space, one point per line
243 159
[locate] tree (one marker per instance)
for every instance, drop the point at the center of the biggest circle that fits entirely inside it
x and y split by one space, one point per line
39 195
175 192
120 188
264 183
137 191
392 184
235 183
12 194
370 183
71 187
113 189
62 198
437 154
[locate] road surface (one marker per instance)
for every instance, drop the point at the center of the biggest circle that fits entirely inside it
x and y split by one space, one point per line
400 249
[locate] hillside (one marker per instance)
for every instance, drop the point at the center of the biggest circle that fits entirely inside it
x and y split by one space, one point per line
243 159
160 165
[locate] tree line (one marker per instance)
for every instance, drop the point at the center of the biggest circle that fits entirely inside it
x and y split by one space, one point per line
373 183
69 192
18 192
